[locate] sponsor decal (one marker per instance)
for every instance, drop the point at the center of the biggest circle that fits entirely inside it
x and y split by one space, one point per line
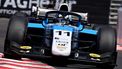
61 47
94 55
25 47
8 7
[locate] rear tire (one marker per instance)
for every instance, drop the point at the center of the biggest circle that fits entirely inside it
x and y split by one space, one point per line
15 33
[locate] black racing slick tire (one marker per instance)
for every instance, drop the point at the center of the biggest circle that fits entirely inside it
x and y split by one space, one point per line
17 27
15 33
107 39
107 42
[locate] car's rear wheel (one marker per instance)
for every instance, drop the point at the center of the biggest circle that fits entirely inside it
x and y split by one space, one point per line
15 34
107 43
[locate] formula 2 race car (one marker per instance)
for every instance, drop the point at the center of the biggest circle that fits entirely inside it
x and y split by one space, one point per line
60 34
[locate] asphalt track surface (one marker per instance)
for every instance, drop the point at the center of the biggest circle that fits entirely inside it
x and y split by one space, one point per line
3 28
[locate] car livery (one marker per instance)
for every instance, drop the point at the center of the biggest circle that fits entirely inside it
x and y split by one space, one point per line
60 34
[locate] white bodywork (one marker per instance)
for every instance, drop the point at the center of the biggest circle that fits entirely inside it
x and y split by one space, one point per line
84 15
61 45
41 11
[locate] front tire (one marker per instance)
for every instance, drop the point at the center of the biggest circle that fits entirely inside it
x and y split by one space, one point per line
107 39
106 42
15 34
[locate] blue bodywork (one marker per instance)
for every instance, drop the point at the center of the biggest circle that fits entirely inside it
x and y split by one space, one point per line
87 31
71 17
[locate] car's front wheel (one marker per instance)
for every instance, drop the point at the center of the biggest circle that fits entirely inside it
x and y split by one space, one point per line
106 42
15 34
